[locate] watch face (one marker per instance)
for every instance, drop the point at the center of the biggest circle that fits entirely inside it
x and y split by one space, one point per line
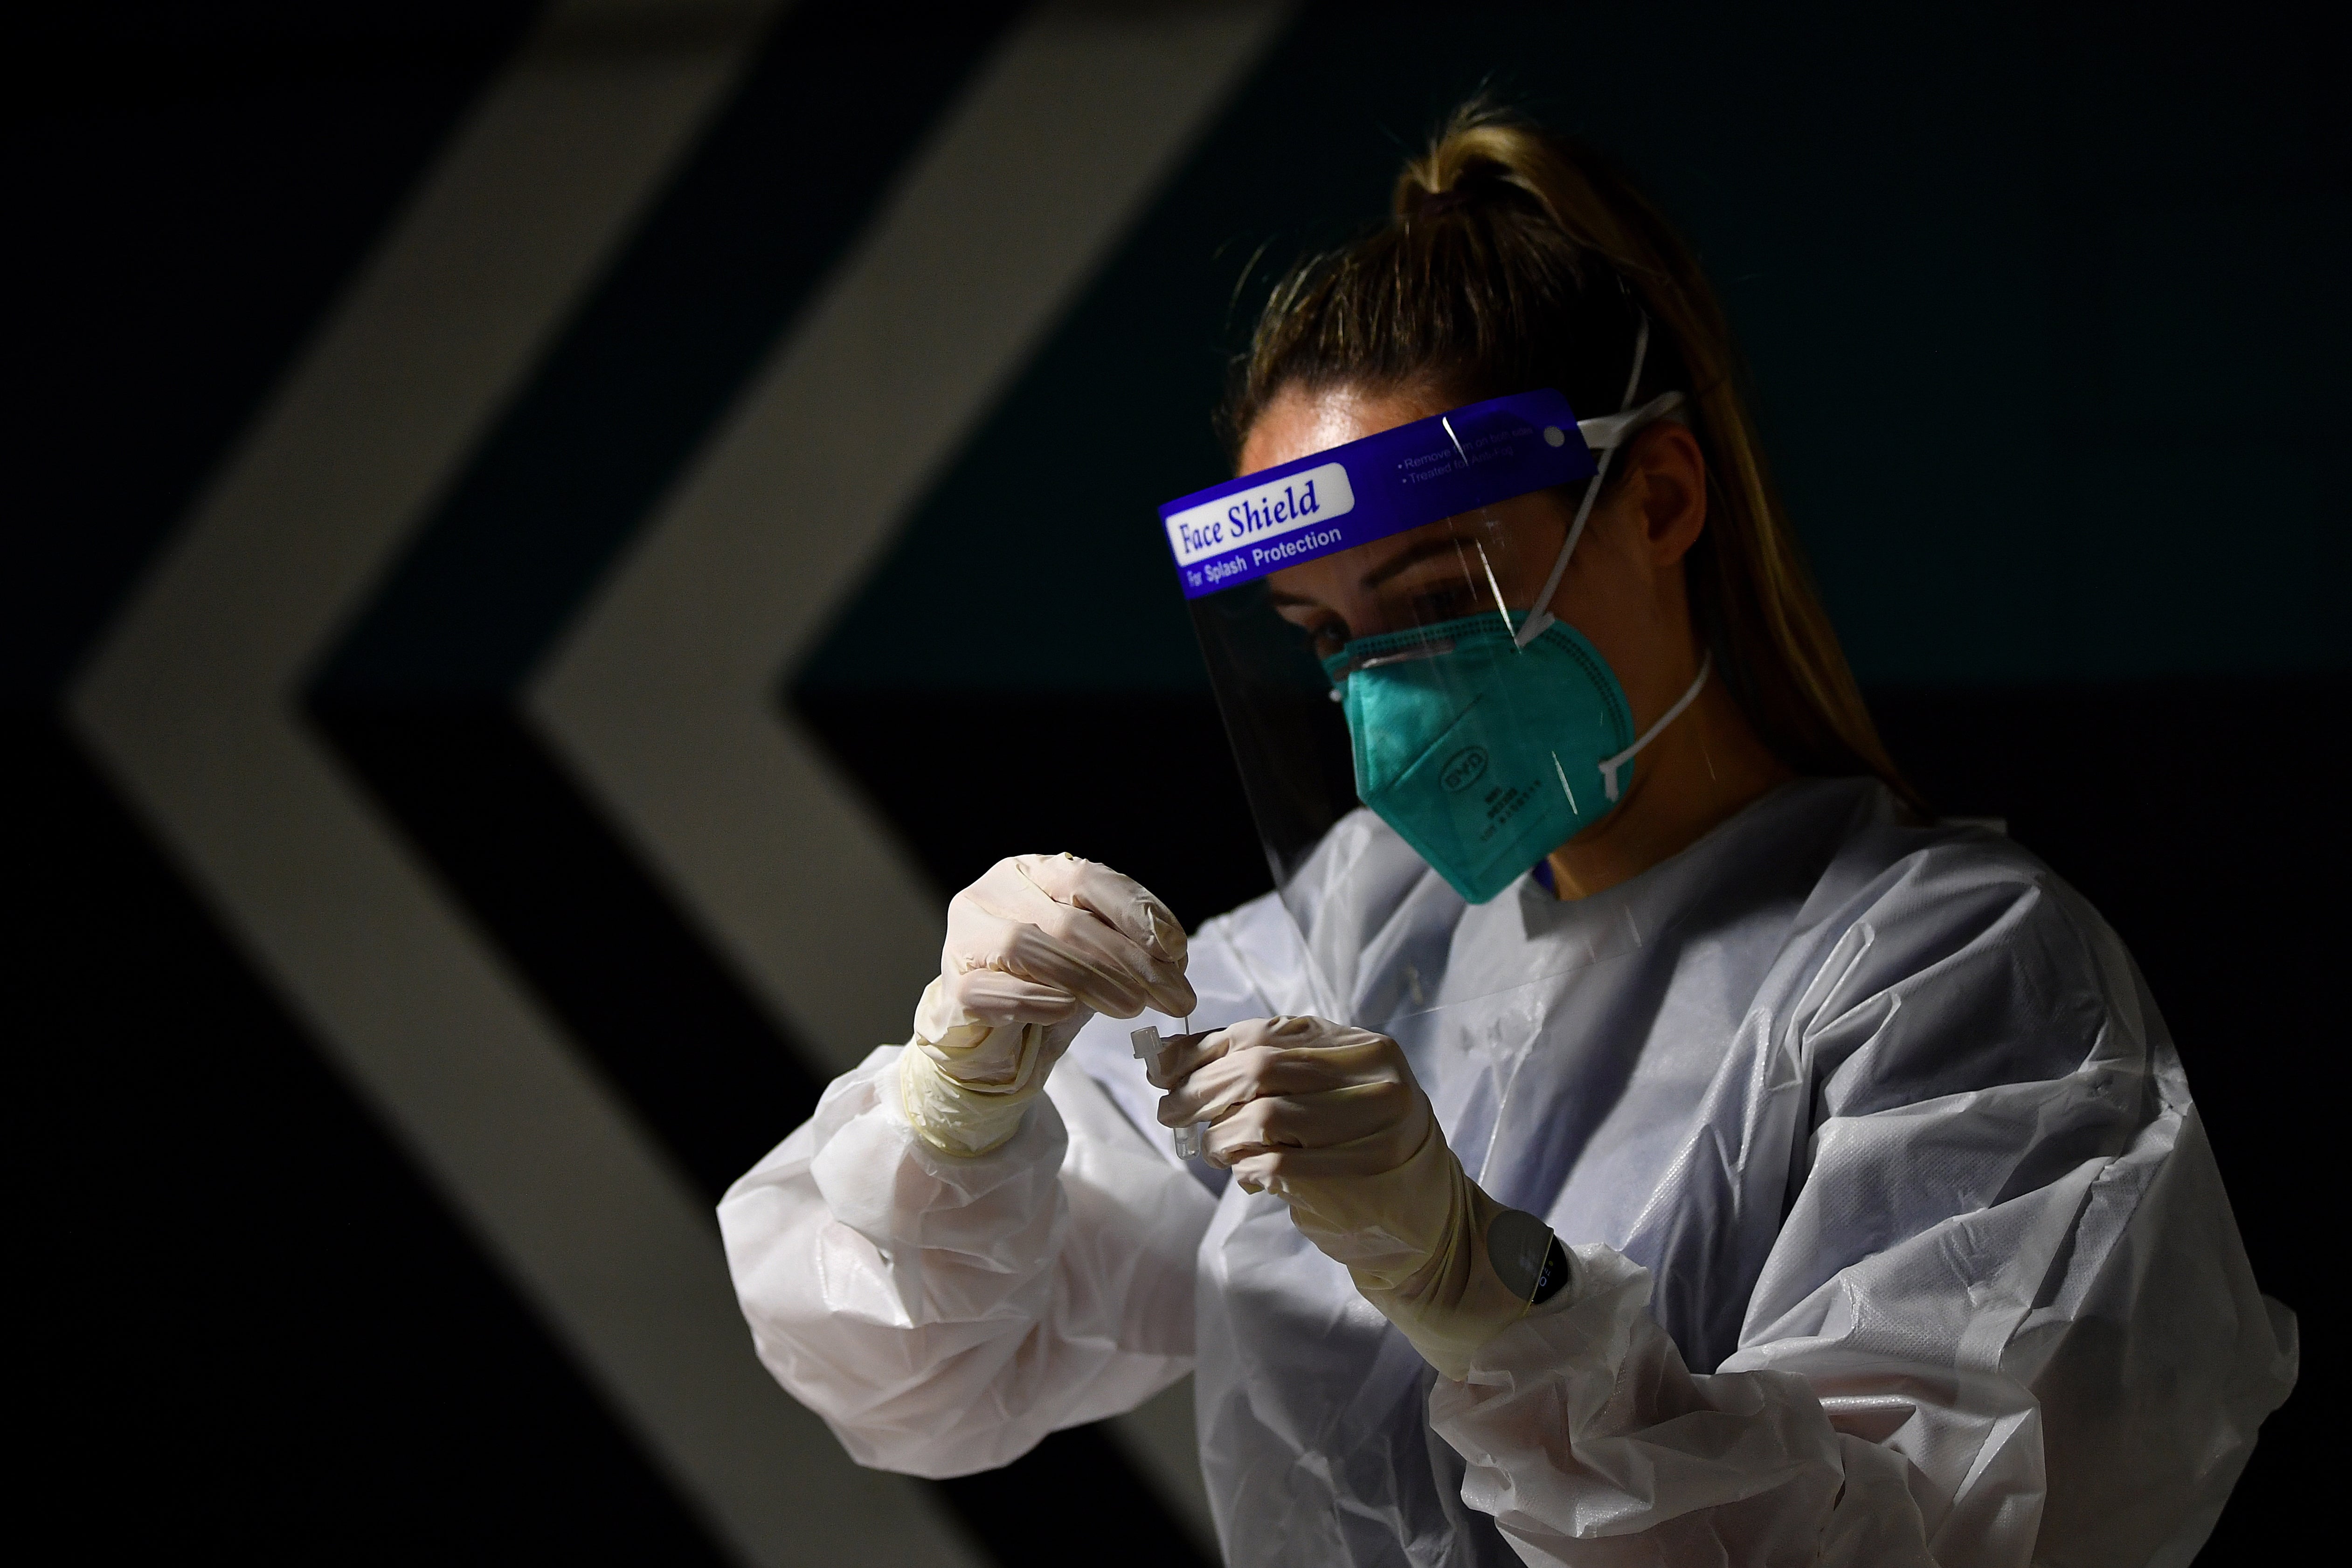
1518 1245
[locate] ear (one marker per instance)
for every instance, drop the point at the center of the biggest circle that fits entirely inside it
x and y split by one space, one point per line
1665 487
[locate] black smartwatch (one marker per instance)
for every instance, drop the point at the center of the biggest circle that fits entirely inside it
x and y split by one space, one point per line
1527 1257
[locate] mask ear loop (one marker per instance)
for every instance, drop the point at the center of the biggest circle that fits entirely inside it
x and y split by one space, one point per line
1609 769
1608 434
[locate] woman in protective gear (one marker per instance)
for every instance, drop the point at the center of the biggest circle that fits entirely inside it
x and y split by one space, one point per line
1633 1130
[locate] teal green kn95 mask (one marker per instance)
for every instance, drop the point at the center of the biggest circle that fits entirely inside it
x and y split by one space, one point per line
1485 757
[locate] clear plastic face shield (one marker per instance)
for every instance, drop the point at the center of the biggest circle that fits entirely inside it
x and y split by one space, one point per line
1375 621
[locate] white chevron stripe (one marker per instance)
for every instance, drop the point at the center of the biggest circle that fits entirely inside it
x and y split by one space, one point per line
664 692
190 705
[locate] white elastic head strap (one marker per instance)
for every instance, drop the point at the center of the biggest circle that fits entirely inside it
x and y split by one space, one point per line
1604 436
1609 769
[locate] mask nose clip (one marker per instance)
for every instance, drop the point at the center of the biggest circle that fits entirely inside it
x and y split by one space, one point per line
1429 650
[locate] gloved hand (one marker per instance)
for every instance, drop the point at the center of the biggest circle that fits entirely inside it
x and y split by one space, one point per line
1034 948
1329 1118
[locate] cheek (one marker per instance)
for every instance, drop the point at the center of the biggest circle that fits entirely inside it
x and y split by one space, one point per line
1609 595
1521 540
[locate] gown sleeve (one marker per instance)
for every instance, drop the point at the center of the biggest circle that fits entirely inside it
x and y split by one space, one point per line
944 1313
2007 1316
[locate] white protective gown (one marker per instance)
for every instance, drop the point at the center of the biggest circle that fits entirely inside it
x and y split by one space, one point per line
1898 1239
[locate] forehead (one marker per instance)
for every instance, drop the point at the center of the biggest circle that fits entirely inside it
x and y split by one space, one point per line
1298 422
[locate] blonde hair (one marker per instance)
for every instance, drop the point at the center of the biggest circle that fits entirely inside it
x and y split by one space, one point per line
1514 260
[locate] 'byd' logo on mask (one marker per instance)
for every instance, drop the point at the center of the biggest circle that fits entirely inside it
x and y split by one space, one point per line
1464 768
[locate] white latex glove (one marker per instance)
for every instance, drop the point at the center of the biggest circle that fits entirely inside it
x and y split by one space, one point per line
1034 948
1329 1118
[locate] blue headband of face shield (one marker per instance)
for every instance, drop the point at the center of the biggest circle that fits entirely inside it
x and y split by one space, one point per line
1486 742
1453 462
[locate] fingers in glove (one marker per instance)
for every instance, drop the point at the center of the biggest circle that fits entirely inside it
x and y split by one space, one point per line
1358 1117
1178 1063
1128 907
1271 1057
1069 959
1071 949
1125 903
1287 1170
1182 1055
1008 920
1240 1076
1160 982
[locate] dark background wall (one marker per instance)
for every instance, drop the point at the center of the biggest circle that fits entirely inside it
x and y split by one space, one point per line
2046 310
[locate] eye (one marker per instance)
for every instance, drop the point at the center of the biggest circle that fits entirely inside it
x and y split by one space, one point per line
1445 601
1324 630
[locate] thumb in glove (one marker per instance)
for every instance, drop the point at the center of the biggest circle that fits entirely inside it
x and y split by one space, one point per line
1330 1119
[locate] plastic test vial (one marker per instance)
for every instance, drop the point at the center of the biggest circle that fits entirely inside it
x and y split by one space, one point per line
1148 1046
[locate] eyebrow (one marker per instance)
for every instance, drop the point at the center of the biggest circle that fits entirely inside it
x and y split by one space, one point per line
1421 553
1412 558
